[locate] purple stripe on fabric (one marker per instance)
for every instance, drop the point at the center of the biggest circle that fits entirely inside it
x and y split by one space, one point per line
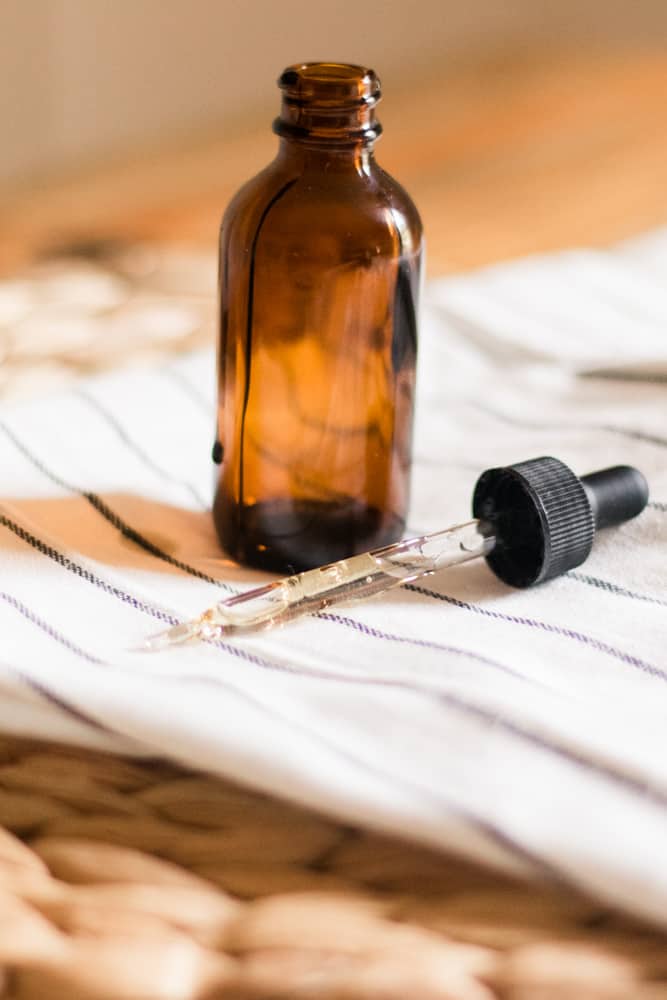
169 619
567 633
57 701
85 574
629 432
476 711
489 829
496 721
50 630
377 633
113 591
236 651
489 717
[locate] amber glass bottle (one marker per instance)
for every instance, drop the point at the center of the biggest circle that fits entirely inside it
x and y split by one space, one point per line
319 275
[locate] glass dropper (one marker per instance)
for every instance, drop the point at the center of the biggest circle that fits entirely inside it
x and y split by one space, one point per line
533 520
345 581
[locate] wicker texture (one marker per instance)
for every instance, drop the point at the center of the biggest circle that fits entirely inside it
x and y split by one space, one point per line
138 880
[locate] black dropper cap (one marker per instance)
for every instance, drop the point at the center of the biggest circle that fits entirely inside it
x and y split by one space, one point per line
544 517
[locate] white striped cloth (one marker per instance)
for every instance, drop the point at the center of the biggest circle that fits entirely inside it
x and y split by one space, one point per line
523 728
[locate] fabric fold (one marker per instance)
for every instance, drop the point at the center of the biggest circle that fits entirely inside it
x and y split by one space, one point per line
524 729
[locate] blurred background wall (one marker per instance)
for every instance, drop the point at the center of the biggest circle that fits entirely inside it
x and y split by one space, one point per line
84 80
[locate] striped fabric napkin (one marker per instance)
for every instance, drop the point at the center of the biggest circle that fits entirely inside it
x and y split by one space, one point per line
525 729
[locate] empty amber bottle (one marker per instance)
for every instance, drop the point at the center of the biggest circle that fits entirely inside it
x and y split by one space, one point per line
319 274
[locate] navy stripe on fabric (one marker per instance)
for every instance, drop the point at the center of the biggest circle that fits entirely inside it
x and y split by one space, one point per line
169 619
615 588
188 388
81 571
130 533
109 515
329 675
495 834
585 578
489 829
135 448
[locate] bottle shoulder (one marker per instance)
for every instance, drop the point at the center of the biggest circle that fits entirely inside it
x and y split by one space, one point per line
400 203
358 207
252 199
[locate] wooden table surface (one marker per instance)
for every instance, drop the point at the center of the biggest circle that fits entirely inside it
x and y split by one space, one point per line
504 155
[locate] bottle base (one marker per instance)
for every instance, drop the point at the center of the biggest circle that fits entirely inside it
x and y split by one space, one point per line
287 536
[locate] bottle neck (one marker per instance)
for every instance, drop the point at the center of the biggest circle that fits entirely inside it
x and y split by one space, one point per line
300 156
329 109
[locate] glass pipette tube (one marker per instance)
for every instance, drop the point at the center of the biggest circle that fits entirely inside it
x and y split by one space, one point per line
346 581
536 520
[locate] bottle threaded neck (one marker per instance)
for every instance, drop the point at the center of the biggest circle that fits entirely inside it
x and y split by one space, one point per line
329 103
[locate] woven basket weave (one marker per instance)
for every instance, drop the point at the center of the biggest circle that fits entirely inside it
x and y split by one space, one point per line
143 881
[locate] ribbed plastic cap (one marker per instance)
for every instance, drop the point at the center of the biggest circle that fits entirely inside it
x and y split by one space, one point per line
544 517
541 516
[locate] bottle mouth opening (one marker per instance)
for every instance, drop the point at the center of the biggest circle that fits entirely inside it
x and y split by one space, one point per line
329 84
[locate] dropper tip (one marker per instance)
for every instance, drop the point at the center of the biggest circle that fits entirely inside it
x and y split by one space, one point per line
153 643
174 636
